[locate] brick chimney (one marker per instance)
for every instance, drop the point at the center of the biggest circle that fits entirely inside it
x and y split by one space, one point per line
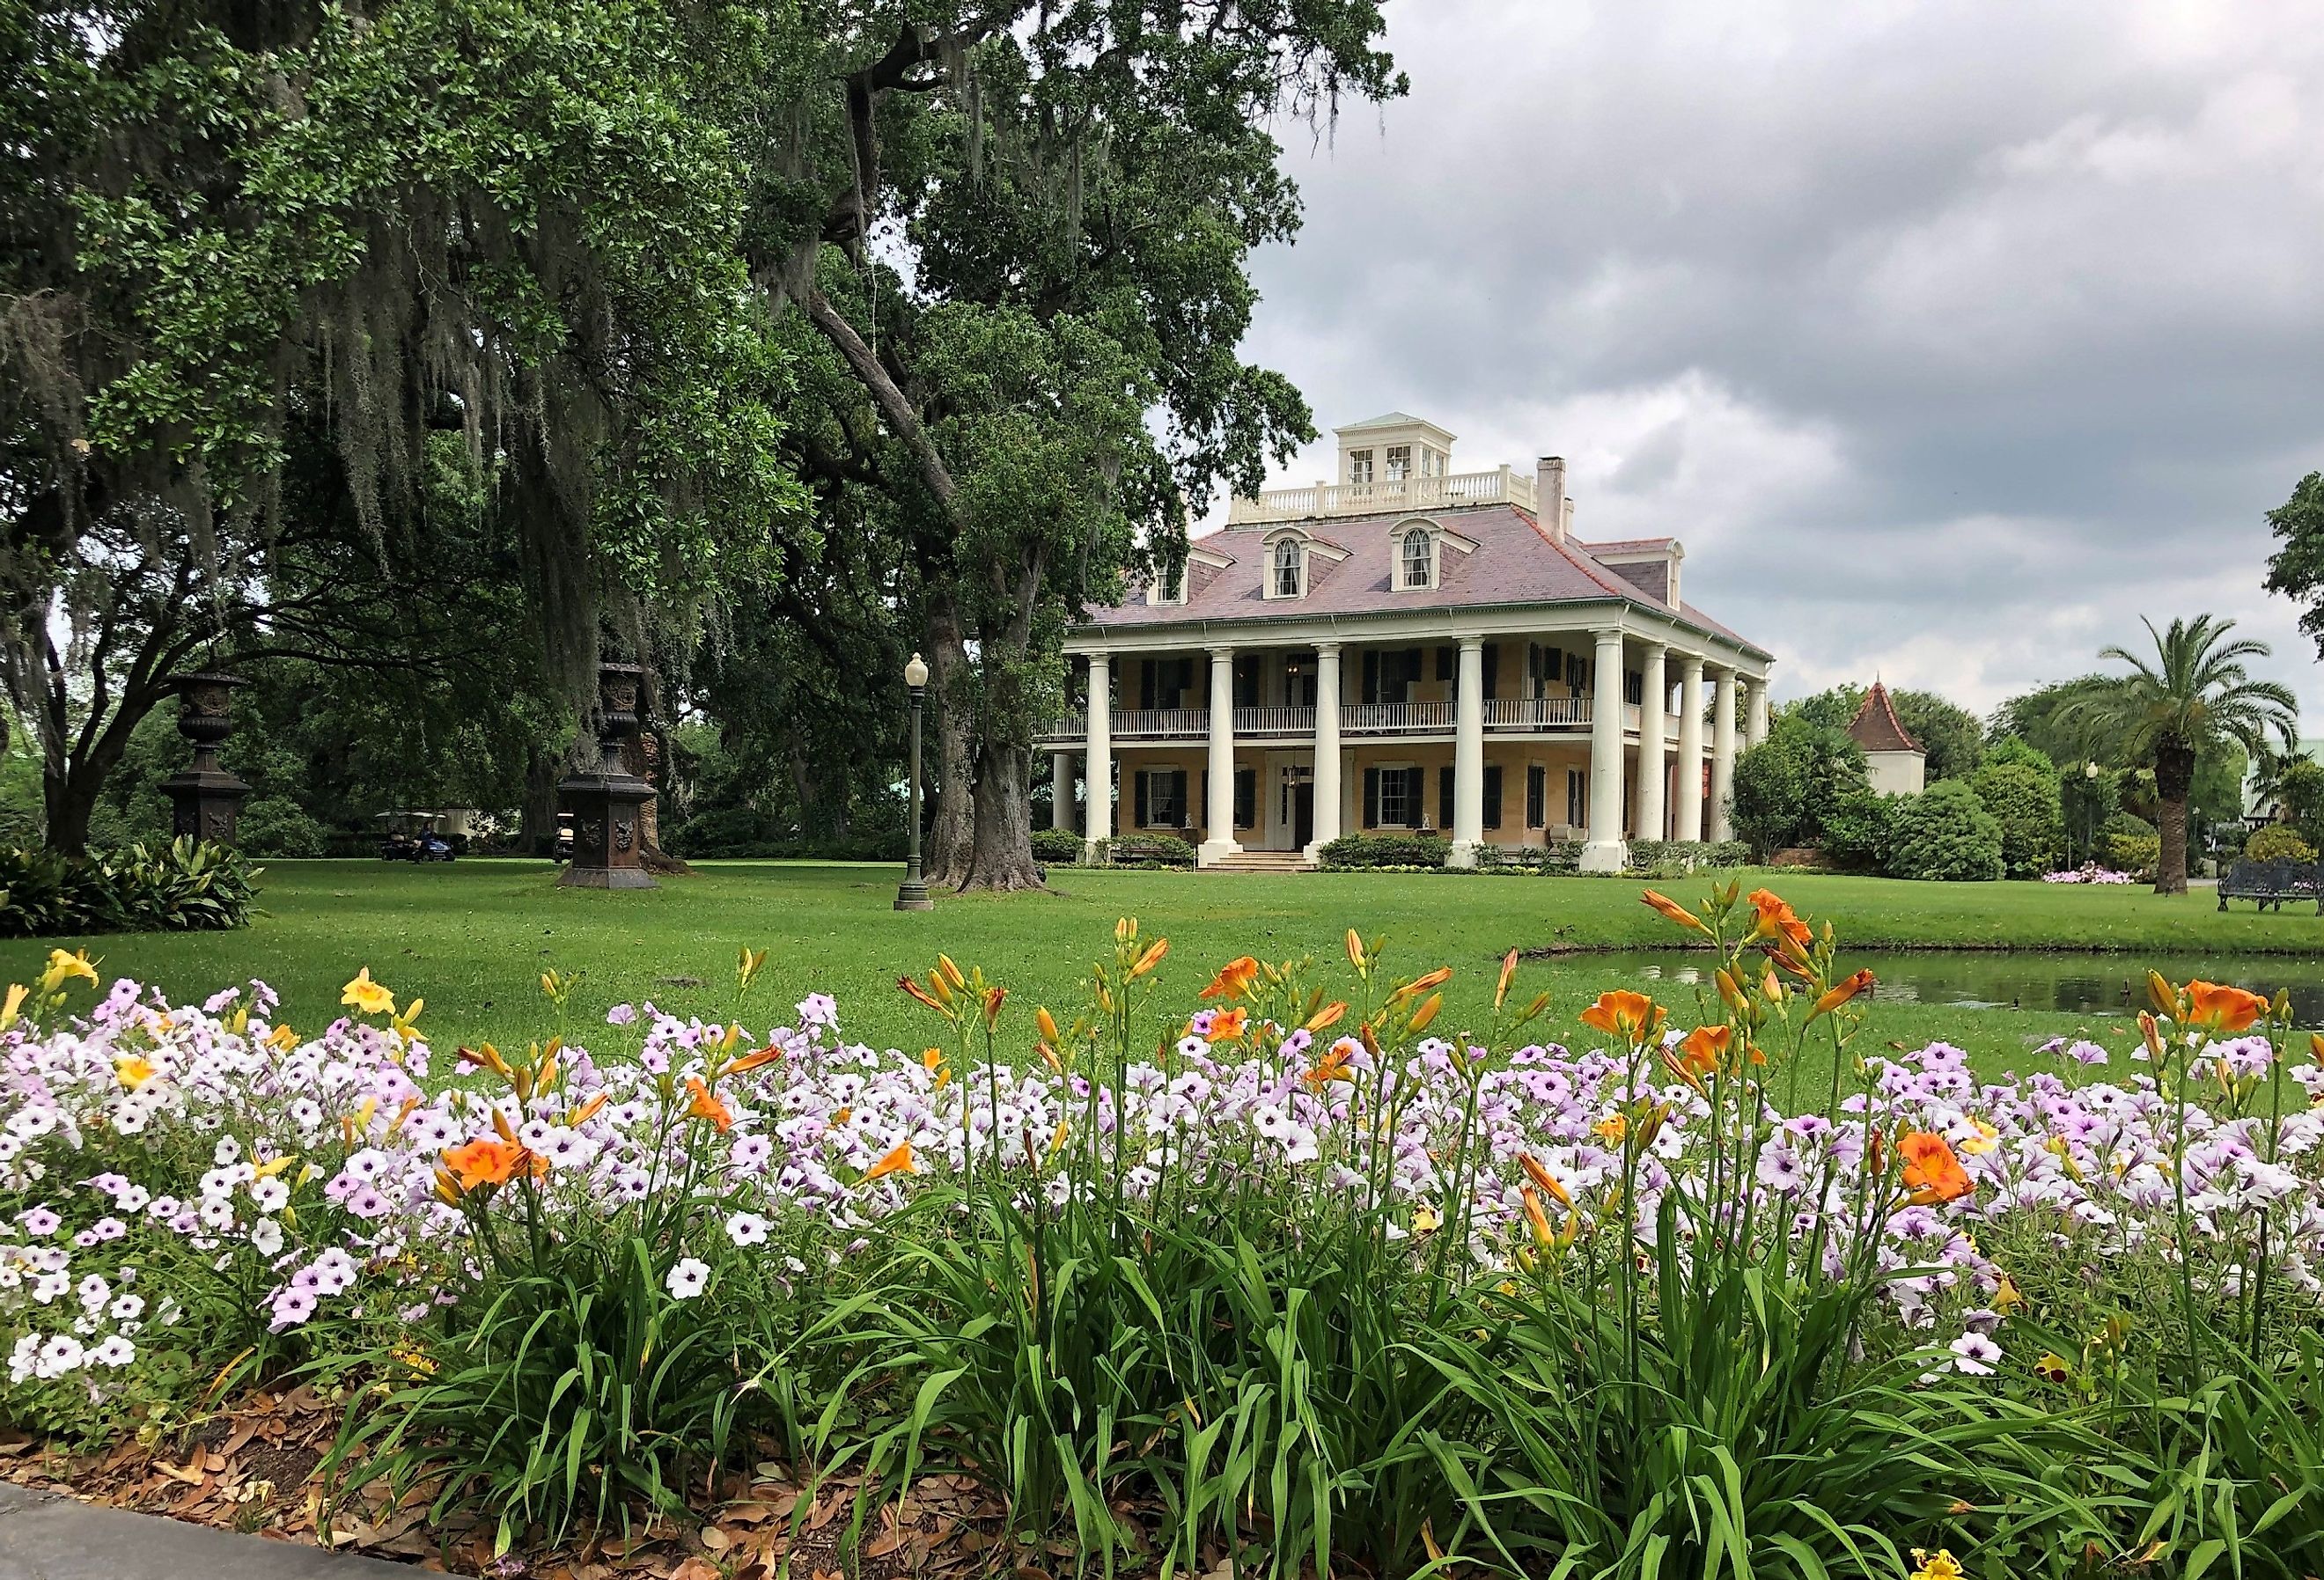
1549 496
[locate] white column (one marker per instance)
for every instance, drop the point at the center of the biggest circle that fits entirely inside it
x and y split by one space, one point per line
1218 824
1689 805
1327 746
1061 790
1652 745
1605 852
1469 755
1722 754
1098 774
1755 710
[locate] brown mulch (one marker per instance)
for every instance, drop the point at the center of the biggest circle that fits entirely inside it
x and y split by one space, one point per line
253 1469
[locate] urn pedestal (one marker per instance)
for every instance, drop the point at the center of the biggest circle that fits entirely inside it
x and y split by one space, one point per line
609 806
205 800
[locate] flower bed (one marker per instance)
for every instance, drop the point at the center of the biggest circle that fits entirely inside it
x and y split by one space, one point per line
2088 873
1301 1272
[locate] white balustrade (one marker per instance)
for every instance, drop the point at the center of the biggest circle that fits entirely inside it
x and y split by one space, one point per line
1275 721
1389 718
1387 497
1535 713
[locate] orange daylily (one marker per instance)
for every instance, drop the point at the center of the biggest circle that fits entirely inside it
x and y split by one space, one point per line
707 1104
1508 970
485 1161
1536 1220
1227 1025
1422 982
1422 1016
1674 911
1932 1171
1699 1055
1328 1016
2222 1008
1619 1013
1234 979
919 993
1544 1179
898 1160
1332 1067
1778 921
1841 992
752 1061
1151 958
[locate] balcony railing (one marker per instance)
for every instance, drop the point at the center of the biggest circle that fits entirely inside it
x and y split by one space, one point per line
1388 496
1507 714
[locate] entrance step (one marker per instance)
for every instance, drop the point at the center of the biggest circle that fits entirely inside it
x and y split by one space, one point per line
1262 861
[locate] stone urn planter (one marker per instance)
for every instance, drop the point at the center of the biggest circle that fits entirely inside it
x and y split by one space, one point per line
205 800
609 805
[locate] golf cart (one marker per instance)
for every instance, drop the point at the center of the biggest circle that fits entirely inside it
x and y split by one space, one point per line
413 837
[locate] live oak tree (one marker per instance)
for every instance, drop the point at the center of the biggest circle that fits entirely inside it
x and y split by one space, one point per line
2297 569
1023 229
520 223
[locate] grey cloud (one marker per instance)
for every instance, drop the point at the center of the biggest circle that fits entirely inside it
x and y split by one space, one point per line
1951 338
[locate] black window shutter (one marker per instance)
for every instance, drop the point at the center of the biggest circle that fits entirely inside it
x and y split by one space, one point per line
1444 797
1142 800
1246 807
1445 659
1537 795
1185 680
1371 675
1372 798
1492 794
1492 671
1202 814
1412 673
1145 688
1246 680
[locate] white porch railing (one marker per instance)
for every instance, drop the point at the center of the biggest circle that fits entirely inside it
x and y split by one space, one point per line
1389 719
1503 714
1535 713
1274 721
1389 496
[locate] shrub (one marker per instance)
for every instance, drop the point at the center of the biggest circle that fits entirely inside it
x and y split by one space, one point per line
1057 847
2132 852
280 826
2024 801
1787 787
1945 835
2278 842
1151 850
729 831
1666 858
184 886
1556 856
2129 823
1353 852
1856 830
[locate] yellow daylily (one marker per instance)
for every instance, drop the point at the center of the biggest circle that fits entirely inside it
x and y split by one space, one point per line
63 968
134 1071
367 997
17 994
282 1038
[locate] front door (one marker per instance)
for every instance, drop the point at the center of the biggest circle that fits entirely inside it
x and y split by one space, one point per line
1303 815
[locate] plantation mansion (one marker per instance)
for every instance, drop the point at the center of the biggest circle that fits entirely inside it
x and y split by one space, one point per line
1410 648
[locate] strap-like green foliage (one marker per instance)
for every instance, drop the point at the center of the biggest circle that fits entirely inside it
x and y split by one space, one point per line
184 886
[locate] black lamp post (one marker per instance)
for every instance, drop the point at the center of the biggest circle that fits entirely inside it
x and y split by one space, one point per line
912 893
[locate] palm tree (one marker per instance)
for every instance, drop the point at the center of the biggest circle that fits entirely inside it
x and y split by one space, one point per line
2193 695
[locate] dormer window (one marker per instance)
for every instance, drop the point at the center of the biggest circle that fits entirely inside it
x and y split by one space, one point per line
1359 466
1168 587
1289 575
1415 559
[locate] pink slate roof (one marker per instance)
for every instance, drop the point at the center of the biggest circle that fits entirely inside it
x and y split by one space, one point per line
1515 562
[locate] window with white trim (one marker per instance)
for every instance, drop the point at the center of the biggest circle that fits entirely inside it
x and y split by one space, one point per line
1290 569
1399 461
1415 559
1359 466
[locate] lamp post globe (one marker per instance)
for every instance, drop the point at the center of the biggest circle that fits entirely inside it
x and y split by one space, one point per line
912 893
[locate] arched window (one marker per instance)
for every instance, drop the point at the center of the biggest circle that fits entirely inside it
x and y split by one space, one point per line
1287 568
1416 558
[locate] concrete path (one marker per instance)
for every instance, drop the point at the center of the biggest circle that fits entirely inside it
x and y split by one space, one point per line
44 1536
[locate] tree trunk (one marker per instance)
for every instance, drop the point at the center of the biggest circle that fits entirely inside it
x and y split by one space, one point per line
2174 776
952 830
536 826
68 801
1002 857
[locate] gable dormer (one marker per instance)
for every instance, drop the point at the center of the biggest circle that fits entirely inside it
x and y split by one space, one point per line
1417 551
1393 446
1292 560
1651 564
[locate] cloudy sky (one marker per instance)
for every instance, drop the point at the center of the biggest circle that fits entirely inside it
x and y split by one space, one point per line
1951 339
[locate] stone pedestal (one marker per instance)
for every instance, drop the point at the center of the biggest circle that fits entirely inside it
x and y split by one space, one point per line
205 800
609 806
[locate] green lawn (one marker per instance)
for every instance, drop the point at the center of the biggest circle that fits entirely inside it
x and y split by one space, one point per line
475 937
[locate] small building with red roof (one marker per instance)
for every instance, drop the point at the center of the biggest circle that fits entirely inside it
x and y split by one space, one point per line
1894 761
1410 647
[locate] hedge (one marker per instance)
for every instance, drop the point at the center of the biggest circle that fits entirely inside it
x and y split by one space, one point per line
1057 847
1149 850
1371 851
181 887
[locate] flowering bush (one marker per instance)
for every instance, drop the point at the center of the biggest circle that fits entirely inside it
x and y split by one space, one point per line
1307 1268
2088 873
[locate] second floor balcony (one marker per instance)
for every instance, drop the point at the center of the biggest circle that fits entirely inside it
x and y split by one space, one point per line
1360 720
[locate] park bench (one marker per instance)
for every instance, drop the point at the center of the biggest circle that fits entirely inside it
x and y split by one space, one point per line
2271 883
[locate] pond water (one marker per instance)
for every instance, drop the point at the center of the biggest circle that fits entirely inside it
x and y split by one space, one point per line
2080 985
